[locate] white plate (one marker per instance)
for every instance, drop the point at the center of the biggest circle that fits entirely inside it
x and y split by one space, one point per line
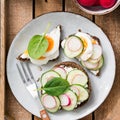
70 24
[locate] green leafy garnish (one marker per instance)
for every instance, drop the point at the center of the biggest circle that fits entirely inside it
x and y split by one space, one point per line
56 86
38 45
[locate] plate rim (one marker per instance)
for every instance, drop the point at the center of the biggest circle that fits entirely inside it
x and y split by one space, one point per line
64 12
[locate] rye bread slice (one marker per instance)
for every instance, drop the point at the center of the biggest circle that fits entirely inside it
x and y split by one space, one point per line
75 65
22 59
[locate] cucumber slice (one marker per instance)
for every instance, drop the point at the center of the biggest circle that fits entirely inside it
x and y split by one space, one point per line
81 92
77 77
89 65
51 103
48 76
73 46
101 62
93 66
73 99
94 60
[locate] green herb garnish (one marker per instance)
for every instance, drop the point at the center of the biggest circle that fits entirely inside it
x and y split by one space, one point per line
38 45
56 86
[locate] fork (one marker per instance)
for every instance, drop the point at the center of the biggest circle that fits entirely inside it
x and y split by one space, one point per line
31 85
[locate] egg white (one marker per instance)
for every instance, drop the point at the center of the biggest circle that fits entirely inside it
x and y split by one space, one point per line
87 53
54 52
55 35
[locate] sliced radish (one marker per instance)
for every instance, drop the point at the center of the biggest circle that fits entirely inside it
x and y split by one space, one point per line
61 71
100 64
89 65
83 93
97 52
65 100
73 99
77 77
49 101
94 60
76 90
73 46
48 76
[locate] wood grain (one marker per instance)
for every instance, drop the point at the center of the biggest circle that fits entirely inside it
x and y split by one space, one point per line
2 58
110 109
42 7
19 12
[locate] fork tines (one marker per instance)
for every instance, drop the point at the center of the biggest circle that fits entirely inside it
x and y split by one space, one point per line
25 73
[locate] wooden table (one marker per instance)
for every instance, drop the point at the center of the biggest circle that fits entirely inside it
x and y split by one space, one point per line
15 14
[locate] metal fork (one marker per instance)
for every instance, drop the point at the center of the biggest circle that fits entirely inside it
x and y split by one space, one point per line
31 85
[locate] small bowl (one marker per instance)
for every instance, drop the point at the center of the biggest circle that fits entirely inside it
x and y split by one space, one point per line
97 10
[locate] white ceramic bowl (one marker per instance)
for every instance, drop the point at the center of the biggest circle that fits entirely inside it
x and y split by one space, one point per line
97 10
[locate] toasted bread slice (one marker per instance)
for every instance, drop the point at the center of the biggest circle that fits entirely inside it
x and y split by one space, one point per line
76 66
52 52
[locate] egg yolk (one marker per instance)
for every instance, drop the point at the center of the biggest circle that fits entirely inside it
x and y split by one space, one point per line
84 43
94 41
26 52
51 43
41 58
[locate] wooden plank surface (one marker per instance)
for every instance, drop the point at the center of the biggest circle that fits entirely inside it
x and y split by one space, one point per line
42 7
110 109
19 12
2 58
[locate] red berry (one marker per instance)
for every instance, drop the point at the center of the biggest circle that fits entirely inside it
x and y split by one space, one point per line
107 3
97 3
86 3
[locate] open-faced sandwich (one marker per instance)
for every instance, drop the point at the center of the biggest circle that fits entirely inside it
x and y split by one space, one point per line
66 86
86 48
42 48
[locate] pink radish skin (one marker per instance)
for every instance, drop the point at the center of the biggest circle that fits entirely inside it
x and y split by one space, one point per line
61 71
65 100
49 102
74 45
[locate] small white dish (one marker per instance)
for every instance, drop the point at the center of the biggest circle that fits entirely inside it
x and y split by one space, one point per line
70 23
97 10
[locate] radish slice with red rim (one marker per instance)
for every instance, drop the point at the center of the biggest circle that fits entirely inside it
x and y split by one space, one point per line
49 101
77 77
97 52
61 71
89 65
65 100
73 46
